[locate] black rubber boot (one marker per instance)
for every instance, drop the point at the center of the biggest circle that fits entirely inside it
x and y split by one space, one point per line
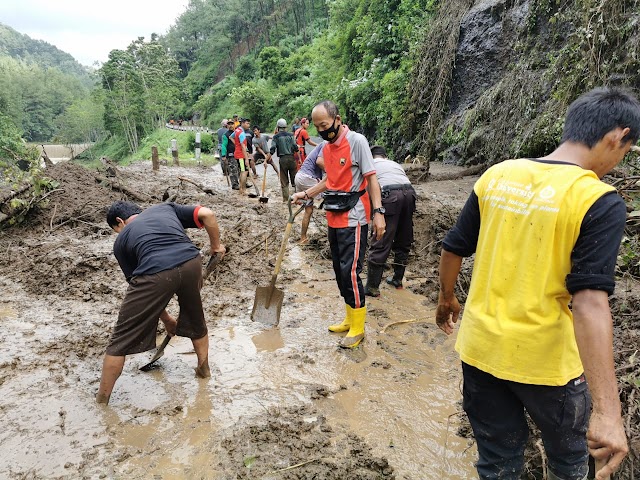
374 277
398 274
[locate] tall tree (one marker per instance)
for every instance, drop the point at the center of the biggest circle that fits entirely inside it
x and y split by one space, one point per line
141 88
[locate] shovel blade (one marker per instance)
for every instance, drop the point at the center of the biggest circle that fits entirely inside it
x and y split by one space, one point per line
268 315
263 199
159 353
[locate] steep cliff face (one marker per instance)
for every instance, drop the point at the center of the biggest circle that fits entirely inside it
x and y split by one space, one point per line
488 32
500 86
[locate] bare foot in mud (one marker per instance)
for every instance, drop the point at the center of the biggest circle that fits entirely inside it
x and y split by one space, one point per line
202 371
101 398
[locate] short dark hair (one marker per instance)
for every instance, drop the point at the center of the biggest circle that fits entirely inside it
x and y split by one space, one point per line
378 151
592 115
256 127
123 210
330 107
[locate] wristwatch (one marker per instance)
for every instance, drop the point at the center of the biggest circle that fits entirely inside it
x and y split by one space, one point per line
381 210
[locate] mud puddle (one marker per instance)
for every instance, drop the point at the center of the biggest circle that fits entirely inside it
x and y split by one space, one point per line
396 392
278 397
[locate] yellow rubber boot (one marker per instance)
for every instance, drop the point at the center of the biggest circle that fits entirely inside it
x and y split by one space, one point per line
346 323
356 332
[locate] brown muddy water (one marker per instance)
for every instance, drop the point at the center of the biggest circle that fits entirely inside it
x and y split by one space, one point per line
398 391
394 401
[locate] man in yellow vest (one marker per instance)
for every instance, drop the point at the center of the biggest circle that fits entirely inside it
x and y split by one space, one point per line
545 233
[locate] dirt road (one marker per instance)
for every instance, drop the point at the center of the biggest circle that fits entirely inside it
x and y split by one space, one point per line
282 403
277 398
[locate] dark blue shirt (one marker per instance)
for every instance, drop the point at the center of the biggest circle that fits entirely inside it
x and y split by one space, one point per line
155 240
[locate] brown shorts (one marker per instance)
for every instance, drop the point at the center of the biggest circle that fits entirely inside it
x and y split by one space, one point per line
146 298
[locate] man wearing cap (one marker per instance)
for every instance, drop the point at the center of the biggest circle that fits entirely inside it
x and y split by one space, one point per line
350 187
399 202
302 137
284 143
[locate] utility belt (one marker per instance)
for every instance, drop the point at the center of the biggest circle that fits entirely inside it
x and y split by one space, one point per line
385 190
338 201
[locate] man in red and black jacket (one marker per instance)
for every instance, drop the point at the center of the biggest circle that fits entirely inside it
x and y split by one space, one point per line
352 186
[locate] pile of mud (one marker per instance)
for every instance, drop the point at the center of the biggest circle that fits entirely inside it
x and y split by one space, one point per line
296 443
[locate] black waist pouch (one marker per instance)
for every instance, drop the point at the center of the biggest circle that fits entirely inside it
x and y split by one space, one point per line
336 201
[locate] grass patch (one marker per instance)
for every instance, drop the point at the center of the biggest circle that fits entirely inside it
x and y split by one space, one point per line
115 149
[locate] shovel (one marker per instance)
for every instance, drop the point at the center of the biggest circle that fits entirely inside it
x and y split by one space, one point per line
268 301
262 198
257 194
211 264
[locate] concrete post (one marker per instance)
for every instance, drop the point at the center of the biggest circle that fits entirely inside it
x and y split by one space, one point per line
198 148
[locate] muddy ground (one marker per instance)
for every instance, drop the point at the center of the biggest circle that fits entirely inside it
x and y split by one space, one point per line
282 403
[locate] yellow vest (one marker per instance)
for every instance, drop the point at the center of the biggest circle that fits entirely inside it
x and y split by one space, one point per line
517 324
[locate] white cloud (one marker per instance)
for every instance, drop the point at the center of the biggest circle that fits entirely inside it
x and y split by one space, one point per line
89 30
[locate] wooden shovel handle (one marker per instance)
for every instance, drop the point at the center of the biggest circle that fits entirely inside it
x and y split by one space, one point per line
598 466
264 178
283 245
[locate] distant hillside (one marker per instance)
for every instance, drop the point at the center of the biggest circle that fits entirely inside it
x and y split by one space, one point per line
22 47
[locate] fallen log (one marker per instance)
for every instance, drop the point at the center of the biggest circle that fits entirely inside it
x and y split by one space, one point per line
467 172
14 193
123 189
197 185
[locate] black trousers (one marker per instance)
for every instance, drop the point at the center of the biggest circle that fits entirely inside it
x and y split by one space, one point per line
496 411
348 246
399 206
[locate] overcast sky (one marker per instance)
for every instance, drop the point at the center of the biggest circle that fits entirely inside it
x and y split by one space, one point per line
90 29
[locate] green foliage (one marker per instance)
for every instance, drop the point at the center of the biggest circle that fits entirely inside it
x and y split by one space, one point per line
271 63
253 99
15 153
246 69
83 120
141 87
38 83
206 142
629 256
42 54
34 96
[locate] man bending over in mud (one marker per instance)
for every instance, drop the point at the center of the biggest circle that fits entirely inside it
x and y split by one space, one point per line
158 260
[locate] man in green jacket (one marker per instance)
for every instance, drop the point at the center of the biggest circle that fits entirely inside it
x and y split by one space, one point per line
285 144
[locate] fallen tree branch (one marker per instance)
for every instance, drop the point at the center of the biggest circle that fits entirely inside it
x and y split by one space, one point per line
296 466
123 189
14 194
47 161
259 243
197 185
467 172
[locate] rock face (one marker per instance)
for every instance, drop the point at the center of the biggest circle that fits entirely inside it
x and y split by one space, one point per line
488 33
